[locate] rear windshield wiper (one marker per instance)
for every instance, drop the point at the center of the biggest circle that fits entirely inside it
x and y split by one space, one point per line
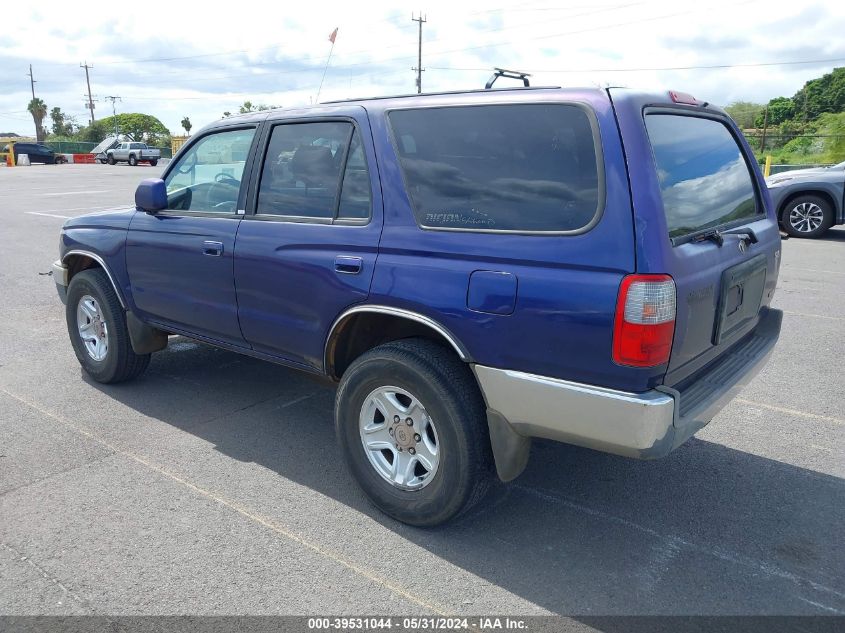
746 235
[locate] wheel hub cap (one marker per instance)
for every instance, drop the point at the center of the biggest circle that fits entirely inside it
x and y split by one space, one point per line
806 217
92 328
399 438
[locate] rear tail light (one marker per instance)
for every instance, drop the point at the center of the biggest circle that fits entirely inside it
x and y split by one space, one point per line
645 321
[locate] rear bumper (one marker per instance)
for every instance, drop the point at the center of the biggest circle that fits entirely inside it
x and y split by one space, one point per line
641 425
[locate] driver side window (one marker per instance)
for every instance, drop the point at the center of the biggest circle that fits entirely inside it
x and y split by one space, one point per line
208 176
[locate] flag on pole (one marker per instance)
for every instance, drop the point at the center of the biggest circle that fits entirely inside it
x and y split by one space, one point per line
333 36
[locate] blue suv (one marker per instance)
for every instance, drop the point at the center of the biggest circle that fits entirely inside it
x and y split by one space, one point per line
474 269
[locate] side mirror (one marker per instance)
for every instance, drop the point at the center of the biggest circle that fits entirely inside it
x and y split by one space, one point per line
151 195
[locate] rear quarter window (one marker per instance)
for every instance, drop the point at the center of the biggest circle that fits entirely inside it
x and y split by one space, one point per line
705 179
528 168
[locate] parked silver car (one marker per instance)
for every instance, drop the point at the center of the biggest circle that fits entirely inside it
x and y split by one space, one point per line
809 201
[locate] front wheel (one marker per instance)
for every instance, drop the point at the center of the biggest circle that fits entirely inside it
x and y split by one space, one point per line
111 160
133 160
807 216
96 324
411 424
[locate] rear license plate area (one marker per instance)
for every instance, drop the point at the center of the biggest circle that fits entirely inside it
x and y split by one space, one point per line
740 295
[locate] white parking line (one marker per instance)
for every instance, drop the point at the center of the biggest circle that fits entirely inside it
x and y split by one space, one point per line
397 587
815 316
49 215
802 414
815 270
74 193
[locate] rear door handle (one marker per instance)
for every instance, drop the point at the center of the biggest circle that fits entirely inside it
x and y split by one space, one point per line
213 249
348 265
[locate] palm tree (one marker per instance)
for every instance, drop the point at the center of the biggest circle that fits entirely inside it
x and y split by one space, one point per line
38 109
186 123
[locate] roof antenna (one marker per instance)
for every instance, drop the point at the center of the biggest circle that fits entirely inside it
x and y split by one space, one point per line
509 74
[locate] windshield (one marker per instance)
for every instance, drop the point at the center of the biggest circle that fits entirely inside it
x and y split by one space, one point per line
704 178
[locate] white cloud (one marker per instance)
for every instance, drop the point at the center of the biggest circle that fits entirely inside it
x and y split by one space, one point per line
273 53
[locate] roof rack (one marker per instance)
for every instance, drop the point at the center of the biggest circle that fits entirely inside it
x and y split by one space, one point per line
509 74
415 95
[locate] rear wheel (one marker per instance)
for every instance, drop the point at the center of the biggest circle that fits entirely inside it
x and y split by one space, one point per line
153 163
807 216
412 426
110 159
96 324
133 160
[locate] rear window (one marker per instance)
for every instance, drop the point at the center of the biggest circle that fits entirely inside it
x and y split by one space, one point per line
704 177
524 168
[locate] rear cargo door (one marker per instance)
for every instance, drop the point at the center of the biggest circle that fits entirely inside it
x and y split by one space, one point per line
702 216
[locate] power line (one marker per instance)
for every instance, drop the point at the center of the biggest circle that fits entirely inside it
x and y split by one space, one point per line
654 68
600 9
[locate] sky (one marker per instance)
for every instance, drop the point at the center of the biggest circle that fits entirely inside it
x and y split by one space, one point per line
177 59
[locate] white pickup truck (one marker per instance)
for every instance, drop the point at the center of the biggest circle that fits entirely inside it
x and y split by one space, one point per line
133 153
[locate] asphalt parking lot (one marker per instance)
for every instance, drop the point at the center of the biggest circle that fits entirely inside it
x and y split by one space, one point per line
213 484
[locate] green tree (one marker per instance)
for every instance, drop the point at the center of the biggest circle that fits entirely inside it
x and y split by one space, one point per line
138 127
186 125
63 125
825 94
227 114
780 110
38 109
745 113
248 106
96 132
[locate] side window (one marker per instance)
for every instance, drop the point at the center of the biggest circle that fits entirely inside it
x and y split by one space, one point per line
208 176
526 168
355 194
315 170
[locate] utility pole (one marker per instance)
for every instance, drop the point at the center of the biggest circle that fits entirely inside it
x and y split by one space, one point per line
114 98
419 67
32 82
88 81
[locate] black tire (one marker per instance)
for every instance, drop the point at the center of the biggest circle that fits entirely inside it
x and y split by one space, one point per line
132 160
120 363
110 160
153 163
445 386
801 205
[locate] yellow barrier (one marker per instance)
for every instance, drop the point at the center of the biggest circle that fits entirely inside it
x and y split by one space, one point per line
768 166
176 142
9 157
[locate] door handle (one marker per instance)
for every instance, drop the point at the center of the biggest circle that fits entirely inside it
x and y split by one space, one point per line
348 265
213 249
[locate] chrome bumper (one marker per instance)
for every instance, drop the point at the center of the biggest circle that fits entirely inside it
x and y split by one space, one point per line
641 425
60 277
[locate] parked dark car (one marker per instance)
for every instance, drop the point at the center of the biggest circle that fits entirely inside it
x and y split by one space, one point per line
37 153
809 201
474 269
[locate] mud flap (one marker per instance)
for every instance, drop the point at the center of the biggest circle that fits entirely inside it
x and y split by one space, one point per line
145 339
510 449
